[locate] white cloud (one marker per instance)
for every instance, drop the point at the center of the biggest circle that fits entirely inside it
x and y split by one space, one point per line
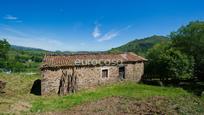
10 17
108 36
96 33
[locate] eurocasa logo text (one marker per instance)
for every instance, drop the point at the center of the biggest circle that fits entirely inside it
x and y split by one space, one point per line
80 62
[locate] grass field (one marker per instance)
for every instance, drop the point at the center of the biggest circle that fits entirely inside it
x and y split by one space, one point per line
17 97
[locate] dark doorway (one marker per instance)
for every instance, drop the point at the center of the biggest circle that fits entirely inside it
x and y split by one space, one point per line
122 72
36 88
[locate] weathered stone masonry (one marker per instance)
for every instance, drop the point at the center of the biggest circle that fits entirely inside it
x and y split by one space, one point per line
54 67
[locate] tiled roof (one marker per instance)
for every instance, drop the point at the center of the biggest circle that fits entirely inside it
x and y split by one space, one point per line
70 60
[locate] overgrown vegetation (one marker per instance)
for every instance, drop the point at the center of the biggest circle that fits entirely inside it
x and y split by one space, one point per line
182 57
17 96
165 62
18 86
190 40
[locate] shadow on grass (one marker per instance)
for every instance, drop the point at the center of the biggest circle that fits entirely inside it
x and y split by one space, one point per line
195 87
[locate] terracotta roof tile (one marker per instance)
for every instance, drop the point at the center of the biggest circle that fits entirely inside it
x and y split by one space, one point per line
69 60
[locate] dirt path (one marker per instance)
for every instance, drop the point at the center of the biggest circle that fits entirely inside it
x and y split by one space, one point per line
121 106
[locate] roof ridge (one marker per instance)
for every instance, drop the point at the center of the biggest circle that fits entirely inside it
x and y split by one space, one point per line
75 54
131 53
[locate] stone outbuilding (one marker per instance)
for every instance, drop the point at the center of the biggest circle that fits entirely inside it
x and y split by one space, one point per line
63 74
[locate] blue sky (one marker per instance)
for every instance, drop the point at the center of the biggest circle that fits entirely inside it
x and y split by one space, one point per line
91 25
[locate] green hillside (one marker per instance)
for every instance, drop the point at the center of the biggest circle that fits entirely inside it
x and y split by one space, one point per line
140 46
24 59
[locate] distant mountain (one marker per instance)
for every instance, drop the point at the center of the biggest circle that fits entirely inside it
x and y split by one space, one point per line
58 52
25 48
140 46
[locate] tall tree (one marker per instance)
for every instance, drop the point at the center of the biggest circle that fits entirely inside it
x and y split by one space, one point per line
190 40
166 62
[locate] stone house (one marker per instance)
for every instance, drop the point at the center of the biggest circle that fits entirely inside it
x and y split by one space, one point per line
62 74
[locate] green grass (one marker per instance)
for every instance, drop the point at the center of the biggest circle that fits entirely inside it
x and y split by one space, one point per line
185 101
19 85
17 90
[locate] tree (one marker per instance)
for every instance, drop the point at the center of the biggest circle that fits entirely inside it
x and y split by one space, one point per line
176 64
190 40
166 62
15 66
4 48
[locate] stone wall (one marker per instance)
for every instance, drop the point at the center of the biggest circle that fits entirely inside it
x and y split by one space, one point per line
50 82
91 76
134 72
88 76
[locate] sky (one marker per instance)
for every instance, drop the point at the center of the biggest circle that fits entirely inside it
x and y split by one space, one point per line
92 25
